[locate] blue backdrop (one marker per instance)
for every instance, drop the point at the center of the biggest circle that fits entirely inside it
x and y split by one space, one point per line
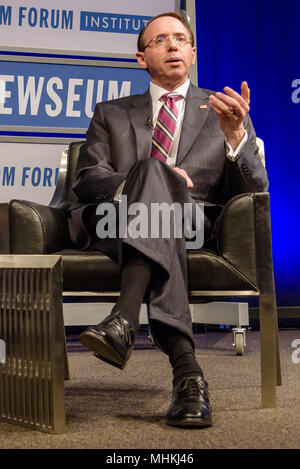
259 41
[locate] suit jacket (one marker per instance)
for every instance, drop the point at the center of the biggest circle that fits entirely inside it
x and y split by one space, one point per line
119 135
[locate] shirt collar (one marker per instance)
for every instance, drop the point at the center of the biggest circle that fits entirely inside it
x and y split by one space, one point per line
156 91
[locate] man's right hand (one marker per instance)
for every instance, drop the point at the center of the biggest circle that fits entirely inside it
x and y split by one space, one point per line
184 174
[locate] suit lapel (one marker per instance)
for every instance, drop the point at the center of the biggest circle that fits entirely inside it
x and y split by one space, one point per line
140 112
196 111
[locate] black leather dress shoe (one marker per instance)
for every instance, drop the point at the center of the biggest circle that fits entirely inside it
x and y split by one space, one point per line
190 405
112 340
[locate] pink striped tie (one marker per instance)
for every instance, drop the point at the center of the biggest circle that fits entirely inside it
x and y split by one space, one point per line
165 127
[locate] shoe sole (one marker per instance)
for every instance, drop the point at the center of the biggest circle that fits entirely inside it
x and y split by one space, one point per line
190 422
102 349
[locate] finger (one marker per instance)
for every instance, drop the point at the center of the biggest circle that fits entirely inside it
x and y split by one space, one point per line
228 104
190 183
223 107
237 97
215 105
188 179
184 174
233 94
219 108
245 92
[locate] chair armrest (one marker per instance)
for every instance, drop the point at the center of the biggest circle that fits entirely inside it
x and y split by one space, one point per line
236 234
35 228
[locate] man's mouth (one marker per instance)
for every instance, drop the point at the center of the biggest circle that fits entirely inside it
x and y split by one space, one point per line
174 60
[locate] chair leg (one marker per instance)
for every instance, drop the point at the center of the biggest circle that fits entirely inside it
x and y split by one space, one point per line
269 352
270 360
278 365
67 370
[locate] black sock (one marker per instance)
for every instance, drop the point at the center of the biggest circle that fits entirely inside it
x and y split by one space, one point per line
179 349
135 277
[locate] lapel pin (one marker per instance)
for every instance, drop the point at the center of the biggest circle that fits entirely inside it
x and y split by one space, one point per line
203 106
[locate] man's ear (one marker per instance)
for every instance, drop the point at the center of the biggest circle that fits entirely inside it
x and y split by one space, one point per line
194 55
141 60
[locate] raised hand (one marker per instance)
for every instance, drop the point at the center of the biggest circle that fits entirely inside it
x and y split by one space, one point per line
232 108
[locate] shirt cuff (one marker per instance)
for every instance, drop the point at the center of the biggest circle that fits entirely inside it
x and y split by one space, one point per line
233 155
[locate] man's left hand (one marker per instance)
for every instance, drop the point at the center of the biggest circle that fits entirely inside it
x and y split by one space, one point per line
185 175
232 108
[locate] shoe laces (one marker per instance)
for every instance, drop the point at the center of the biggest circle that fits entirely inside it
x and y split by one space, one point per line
119 325
193 387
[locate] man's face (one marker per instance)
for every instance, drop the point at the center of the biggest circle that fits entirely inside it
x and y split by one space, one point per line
168 64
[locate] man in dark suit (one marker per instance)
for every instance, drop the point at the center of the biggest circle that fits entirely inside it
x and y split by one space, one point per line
208 155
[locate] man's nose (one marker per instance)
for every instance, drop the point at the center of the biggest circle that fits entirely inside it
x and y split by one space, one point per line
172 43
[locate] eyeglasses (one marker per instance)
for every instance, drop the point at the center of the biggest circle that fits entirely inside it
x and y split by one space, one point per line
162 41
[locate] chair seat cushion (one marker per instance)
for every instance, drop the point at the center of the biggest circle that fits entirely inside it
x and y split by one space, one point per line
94 271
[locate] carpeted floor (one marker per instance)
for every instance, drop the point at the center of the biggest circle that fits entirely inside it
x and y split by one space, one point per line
108 408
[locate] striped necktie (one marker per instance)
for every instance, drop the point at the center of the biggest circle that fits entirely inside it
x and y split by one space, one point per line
165 127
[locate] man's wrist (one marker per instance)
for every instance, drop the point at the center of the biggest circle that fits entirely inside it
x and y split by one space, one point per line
235 138
233 155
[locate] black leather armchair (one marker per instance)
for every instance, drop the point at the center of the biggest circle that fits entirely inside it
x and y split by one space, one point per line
240 266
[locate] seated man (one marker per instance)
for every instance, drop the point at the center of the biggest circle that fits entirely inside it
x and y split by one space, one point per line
174 144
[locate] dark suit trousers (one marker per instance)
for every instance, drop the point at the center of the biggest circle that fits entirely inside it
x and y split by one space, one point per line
152 181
